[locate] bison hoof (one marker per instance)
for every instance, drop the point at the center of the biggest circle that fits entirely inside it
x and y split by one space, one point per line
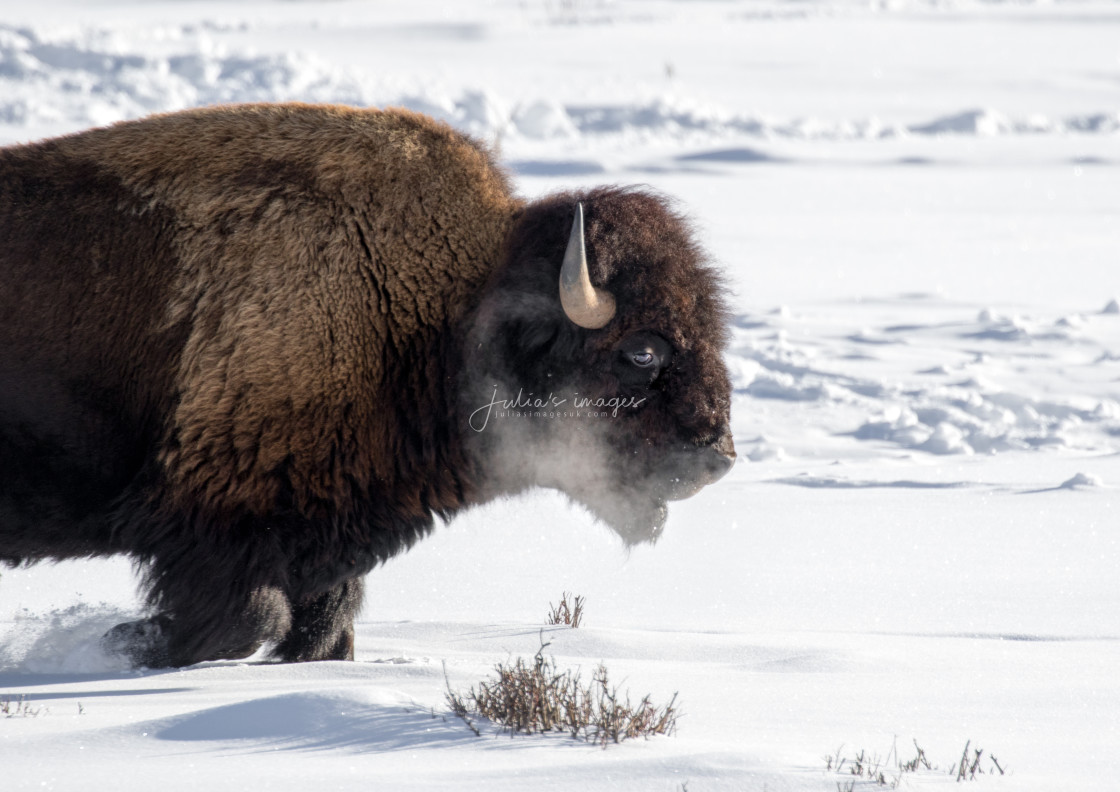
143 642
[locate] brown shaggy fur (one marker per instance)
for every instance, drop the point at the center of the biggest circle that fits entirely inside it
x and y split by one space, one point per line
231 345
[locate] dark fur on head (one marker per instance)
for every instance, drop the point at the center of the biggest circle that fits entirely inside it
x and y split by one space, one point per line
646 255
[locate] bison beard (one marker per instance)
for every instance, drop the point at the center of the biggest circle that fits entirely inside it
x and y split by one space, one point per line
243 345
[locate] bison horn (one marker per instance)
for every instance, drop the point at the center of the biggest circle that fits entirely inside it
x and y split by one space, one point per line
584 304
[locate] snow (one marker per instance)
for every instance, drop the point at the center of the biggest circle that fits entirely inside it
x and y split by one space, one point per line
916 203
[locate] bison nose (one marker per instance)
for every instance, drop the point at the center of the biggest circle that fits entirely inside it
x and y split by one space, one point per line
720 456
716 463
712 463
692 468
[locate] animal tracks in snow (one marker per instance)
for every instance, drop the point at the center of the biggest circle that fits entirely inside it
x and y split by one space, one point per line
946 379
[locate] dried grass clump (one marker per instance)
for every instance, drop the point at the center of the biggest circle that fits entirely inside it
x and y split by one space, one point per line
538 698
570 614
19 708
970 766
870 770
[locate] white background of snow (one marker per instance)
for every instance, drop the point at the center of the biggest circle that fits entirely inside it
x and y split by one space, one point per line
918 204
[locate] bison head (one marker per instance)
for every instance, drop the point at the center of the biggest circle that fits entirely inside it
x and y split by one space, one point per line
592 364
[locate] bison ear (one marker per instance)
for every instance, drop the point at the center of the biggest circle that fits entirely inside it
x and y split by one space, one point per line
539 346
531 336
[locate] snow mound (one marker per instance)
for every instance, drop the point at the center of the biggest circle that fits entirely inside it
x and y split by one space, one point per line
1081 480
982 123
839 482
358 720
544 119
90 77
96 77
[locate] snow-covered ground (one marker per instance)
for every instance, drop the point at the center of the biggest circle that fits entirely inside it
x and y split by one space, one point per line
918 206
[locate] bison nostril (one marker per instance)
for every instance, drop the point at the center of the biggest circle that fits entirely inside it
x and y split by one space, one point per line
719 463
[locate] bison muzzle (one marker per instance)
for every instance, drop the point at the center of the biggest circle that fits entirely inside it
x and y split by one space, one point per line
260 348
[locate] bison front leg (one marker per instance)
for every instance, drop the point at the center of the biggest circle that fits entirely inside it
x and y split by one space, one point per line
323 625
188 634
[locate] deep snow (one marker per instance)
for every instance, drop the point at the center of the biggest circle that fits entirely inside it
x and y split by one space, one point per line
918 209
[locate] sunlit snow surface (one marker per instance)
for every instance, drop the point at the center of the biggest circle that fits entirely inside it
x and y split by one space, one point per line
918 207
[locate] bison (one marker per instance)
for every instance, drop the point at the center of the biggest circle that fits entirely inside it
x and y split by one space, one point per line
260 348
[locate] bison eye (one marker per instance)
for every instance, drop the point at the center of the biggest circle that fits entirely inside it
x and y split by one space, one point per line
640 359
